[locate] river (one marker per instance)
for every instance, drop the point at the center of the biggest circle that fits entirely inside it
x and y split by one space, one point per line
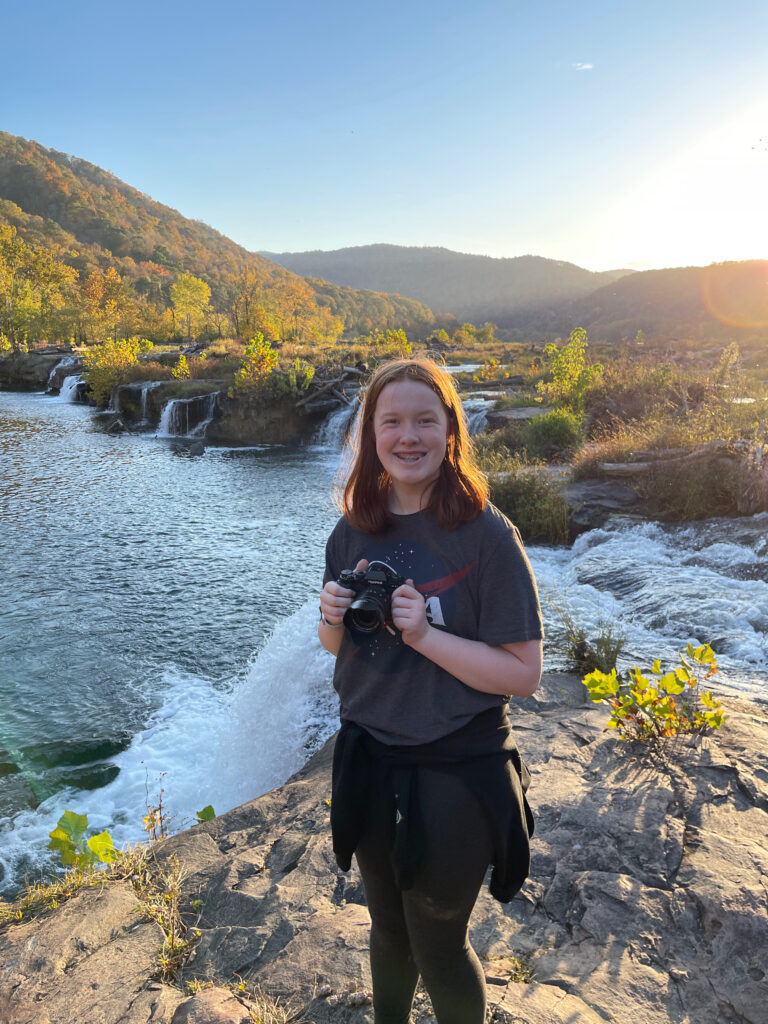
157 626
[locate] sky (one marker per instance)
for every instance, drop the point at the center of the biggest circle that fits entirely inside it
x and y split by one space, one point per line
605 134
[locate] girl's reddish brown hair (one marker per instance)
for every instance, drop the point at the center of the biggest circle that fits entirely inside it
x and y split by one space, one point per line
460 492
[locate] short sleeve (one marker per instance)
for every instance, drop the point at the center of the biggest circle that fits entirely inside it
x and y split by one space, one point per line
509 609
332 568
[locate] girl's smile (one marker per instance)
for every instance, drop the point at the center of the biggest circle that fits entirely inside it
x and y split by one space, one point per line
410 425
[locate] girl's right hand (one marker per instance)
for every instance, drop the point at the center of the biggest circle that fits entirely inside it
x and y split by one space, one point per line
335 599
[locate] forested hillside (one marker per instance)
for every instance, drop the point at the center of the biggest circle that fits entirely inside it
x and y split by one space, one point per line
82 253
721 302
474 288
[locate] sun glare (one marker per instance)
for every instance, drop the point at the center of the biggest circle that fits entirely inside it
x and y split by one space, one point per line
707 204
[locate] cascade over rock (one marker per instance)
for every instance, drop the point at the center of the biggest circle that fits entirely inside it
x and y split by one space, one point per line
646 900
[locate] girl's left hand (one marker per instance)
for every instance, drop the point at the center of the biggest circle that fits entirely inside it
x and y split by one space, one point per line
409 613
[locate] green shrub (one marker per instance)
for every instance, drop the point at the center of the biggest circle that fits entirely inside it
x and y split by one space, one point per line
291 382
110 364
258 362
181 370
569 374
560 429
668 704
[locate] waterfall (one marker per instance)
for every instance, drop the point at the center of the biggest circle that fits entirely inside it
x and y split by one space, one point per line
62 364
338 425
187 417
70 388
475 409
145 388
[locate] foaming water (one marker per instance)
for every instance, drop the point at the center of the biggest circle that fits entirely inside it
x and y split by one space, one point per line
662 585
203 745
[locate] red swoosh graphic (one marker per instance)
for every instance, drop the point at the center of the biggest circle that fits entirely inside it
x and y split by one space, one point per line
445 583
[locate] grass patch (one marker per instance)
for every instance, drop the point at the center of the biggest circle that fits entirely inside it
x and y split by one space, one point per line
39 897
587 653
532 500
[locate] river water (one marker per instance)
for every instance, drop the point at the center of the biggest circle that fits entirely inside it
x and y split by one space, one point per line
157 625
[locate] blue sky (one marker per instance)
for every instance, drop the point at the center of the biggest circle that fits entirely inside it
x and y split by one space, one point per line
600 133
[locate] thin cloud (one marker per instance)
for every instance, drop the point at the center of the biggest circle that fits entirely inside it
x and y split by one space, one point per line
578 66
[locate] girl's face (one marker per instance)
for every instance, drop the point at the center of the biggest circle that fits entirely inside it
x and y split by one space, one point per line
410 425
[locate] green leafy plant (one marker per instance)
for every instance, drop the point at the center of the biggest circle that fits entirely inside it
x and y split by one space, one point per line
258 362
109 364
181 369
291 382
207 814
570 376
69 840
648 707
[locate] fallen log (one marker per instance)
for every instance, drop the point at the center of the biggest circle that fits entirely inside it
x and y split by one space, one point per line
318 391
342 397
667 458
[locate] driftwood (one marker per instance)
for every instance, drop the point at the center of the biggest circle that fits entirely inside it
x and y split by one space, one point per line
341 396
317 392
670 457
330 387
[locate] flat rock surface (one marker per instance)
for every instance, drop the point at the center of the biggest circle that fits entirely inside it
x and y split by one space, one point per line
646 902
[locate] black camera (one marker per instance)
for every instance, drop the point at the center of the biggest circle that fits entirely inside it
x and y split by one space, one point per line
373 587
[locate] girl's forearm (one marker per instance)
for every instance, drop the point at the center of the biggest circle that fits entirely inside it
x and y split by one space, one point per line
484 668
330 637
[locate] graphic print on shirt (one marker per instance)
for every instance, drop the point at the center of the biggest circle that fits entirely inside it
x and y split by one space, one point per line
413 560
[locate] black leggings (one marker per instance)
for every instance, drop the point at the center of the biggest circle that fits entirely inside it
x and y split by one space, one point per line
423 930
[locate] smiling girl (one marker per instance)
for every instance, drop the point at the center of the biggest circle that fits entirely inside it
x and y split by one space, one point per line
428 786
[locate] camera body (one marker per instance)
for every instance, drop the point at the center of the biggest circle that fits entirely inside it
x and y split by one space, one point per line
371 608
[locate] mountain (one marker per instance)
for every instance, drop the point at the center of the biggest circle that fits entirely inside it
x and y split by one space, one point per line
475 288
720 302
93 221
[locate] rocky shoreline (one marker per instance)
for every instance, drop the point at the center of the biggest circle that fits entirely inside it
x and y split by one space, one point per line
646 900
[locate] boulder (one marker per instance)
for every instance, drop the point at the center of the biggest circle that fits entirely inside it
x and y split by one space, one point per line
646 900
253 421
27 371
502 417
592 501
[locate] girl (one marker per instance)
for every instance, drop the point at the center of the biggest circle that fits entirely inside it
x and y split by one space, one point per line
428 786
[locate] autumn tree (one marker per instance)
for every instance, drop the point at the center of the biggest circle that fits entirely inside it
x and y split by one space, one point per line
191 299
35 291
108 306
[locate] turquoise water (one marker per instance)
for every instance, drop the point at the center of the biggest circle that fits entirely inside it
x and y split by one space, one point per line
128 565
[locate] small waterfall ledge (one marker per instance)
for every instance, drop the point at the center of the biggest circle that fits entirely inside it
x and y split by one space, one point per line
73 388
187 417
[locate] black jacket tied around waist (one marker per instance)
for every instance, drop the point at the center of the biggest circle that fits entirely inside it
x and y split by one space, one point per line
482 753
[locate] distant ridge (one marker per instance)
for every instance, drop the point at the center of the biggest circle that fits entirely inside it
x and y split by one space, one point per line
720 303
471 287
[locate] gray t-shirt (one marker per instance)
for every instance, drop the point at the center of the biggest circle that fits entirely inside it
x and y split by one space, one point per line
477 583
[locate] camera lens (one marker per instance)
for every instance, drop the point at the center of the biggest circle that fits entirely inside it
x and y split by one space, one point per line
365 615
